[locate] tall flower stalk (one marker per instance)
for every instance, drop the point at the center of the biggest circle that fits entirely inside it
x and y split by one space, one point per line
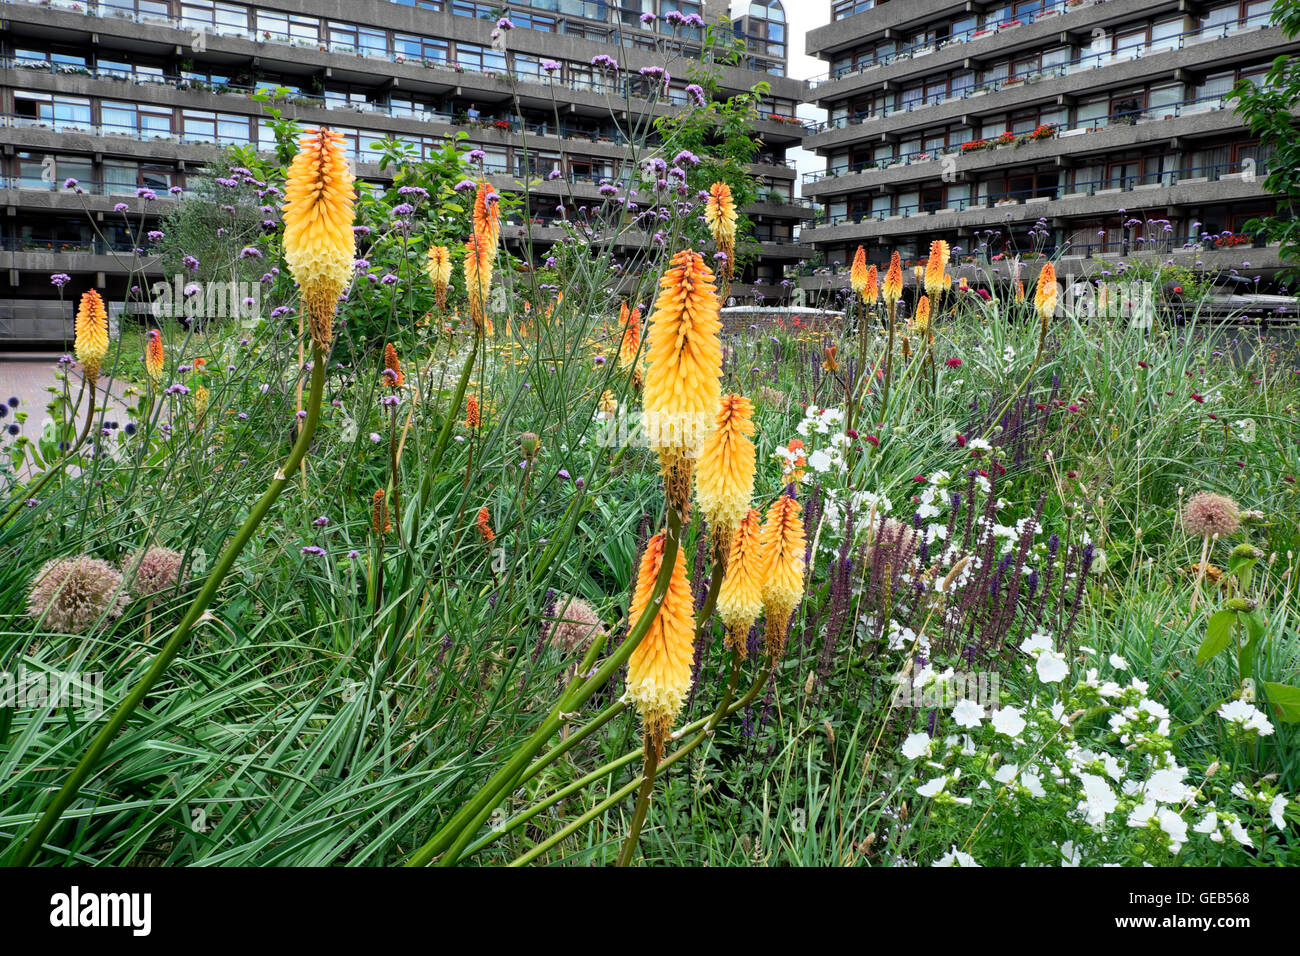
319 250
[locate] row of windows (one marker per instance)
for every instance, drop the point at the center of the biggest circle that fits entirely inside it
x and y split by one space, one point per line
1116 108
1121 171
938 89
255 21
967 26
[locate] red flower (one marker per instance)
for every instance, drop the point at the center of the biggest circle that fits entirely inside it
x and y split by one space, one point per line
1198 398
872 440
953 363
919 478
961 441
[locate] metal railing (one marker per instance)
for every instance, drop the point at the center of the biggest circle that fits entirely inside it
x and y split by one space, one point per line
1200 104
1194 175
1095 60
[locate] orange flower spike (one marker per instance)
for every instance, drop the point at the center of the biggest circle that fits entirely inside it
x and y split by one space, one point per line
319 245
871 291
659 670
154 360
858 273
484 523
471 412
379 521
893 290
392 375
1046 294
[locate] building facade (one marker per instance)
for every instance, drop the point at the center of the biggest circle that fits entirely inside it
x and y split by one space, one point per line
1094 131
131 97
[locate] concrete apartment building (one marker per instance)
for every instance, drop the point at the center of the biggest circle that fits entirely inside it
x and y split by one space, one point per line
1096 129
129 95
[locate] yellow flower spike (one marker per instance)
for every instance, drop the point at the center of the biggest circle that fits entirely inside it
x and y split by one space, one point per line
682 384
319 246
439 269
921 321
608 405
1045 294
724 477
201 398
936 267
154 362
1020 291
91 343
659 670
858 272
781 545
893 290
720 217
740 599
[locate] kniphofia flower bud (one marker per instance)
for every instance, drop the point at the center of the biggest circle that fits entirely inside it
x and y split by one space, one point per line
893 290
439 269
682 390
740 599
319 245
782 544
659 670
91 343
1045 294
154 361
858 272
720 217
724 477
393 377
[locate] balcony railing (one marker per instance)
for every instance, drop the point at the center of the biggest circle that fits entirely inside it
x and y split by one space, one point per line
926 47
1085 61
1195 175
1200 104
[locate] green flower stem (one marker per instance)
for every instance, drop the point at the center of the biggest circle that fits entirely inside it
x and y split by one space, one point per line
642 804
628 788
68 792
450 423
455 835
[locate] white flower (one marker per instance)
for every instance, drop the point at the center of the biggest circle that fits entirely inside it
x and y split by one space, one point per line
1166 786
1275 811
932 787
1033 783
1118 662
1239 833
1246 718
967 713
1175 827
819 460
1070 855
917 745
1037 643
1098 799
1141 815
1209 824
955 857
1009 720
1051 667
